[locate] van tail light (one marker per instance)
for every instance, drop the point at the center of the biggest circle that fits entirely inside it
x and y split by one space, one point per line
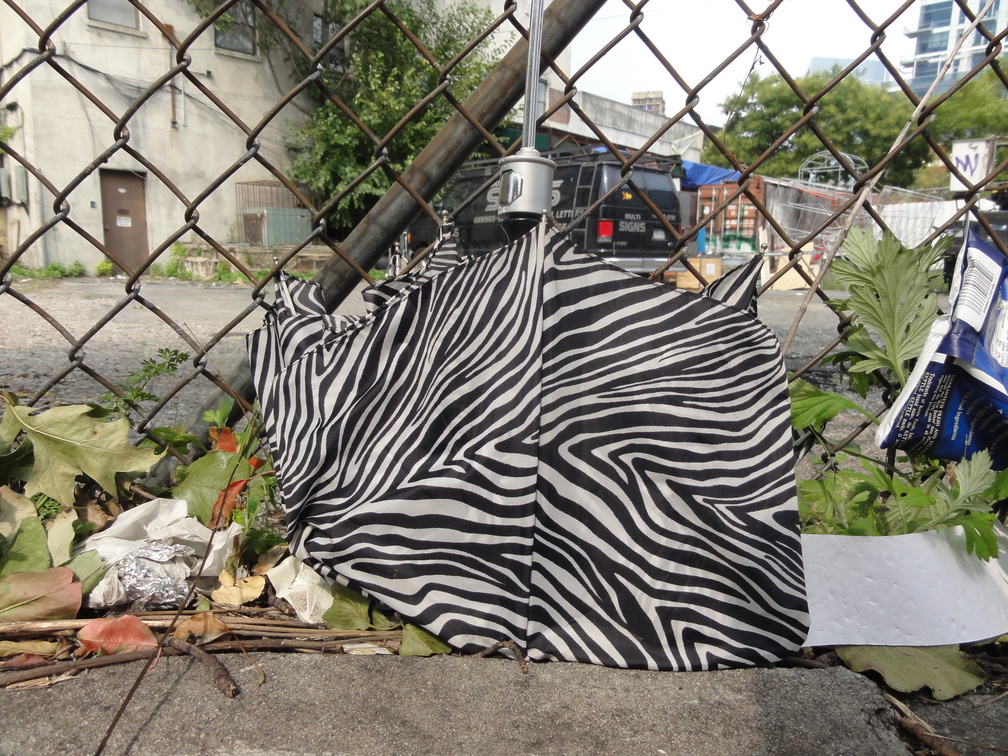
605 228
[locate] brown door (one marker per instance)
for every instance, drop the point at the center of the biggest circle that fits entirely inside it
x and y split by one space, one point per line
124 216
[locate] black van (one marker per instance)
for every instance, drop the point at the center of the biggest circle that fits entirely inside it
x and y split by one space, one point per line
622 229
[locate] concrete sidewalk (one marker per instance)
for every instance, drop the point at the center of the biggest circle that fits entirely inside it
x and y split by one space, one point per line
315 705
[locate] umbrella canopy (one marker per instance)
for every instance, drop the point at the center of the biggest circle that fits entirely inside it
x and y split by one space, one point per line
534 445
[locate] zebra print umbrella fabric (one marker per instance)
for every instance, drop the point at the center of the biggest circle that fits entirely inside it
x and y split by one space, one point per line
534 445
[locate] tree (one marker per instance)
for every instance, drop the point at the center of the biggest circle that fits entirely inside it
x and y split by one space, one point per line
858 118
977 111
380 78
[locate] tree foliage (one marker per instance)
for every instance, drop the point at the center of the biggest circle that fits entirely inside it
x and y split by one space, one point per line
859 118
380 78
976 111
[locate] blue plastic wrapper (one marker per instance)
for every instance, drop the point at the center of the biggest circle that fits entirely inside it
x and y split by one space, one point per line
956 400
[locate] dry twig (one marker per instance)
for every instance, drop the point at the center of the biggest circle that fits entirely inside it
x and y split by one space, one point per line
221 677
511 646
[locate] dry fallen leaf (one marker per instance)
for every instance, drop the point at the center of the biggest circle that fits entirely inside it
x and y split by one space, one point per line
35 647
204 626
223 508
25 661
268 560
116 635
50 594
239 592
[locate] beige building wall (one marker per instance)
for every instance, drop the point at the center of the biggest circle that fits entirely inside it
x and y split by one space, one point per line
179 129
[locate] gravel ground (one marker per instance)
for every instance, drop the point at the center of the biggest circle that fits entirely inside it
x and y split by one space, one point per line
32 351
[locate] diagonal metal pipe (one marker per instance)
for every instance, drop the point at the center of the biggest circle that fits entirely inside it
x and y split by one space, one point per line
489 103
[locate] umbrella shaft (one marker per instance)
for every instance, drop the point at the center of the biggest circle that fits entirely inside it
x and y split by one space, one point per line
532 73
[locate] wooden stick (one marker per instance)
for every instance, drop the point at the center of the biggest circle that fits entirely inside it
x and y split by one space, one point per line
511 645
221 677
284 644
238 625
920 731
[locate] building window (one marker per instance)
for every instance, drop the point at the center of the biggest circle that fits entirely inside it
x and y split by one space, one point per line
239 36
322 32
936 16
934 42
118 12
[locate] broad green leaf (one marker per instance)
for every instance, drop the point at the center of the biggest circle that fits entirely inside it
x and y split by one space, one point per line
69 442
349 610
890 292
13 509
60 534
812 407
201 482
418 642
177 439
973 477
981 538
863 526
381 622
943 669
27 596
29 552
89 569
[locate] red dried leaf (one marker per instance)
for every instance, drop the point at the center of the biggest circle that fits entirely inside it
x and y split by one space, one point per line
223 439
221 514
256 462
116 635
46 595
25 661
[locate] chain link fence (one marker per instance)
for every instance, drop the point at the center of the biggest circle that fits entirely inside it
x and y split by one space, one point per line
198 101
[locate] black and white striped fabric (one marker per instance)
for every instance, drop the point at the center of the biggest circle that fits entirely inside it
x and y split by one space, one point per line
534 445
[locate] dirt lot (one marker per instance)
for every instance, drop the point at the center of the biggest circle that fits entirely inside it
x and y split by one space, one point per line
32 351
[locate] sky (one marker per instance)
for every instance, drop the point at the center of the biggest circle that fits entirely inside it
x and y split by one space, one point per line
697 35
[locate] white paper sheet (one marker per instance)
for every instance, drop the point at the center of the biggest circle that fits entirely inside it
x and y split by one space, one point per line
922 589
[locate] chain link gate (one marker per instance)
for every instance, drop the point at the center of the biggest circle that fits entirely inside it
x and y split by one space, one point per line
192 199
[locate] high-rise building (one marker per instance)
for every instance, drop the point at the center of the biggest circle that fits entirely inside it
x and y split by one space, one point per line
939 26
652 102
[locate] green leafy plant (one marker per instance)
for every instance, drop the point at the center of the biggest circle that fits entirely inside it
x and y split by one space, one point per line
66 443
52 270
105 268
893 304
176 267
234 481
226 274
892 295
46 506
135 390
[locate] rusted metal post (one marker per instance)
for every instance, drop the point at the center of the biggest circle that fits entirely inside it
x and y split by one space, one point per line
446 152
489 103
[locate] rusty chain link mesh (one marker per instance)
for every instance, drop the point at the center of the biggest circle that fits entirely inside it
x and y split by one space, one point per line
349 259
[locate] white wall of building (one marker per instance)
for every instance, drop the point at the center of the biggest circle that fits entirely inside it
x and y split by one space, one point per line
193 144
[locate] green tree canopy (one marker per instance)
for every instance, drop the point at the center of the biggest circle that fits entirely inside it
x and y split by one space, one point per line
977 111
380 78
859 118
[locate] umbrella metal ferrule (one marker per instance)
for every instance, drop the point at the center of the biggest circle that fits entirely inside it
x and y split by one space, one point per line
526 184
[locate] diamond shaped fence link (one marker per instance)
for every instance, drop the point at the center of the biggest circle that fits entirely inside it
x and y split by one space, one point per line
114 107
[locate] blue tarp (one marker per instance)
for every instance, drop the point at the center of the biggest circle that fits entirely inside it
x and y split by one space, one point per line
698 174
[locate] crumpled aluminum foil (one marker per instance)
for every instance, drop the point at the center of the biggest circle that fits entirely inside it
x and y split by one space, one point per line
154 575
